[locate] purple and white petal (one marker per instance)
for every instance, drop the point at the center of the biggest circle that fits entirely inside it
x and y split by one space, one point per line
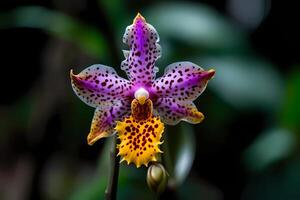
144 50
183 81
100 85
105 118
172 111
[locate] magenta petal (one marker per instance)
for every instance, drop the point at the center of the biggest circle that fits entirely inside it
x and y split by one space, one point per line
142 40
105 118
172 111
99 85
183 81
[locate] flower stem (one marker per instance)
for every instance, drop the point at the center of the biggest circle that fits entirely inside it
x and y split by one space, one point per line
112 187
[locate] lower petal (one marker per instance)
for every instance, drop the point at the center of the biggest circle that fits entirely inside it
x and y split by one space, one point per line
139 140
172 111
105 119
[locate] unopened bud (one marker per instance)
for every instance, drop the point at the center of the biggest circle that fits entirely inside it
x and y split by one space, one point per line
157 178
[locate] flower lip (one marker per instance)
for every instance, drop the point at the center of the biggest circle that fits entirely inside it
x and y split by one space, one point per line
141 95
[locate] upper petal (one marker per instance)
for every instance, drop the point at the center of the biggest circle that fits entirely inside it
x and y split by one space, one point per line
98 85
105 118
139 63
182 80
173 110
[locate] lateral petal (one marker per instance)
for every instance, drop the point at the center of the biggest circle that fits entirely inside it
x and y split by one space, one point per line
99 85
183 81
172 110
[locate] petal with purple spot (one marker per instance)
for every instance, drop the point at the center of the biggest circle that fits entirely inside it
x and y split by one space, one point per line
98 85
139 63
182 80
172 110
105 118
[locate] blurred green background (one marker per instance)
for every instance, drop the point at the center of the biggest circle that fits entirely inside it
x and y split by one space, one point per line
246 148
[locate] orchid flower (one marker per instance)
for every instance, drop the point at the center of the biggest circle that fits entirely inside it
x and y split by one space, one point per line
137 108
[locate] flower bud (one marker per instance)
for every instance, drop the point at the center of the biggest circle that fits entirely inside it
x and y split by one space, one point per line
157 177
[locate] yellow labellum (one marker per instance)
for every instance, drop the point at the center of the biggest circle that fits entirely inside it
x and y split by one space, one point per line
140 136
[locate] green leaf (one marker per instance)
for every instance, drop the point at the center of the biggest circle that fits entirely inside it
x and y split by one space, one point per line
179 151
245 82
271 146
53 22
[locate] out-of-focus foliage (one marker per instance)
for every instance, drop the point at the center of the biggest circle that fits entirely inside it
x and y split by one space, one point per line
179 147
199 189
59 24
93 188
130 180
116 10
22 109
290 113
246 82
271 146
282 183
196 25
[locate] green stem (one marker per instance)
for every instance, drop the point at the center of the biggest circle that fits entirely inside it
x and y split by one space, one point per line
112 187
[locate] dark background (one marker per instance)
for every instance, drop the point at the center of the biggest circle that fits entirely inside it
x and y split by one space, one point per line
246 148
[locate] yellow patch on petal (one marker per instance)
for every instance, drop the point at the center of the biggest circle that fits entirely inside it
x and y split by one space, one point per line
194 116
140 140
100 128
93 137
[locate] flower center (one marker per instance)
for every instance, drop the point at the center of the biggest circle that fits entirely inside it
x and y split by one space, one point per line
141 111
141 95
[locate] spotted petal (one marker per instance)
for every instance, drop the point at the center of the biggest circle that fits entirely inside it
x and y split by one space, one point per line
172 110
183 81
139 140
139 63
99 85
105 118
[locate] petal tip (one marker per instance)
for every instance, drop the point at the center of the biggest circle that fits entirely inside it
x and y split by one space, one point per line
211 73
195 117
71 74
90 141
122 160
91 138
139 17
74 78
199 117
